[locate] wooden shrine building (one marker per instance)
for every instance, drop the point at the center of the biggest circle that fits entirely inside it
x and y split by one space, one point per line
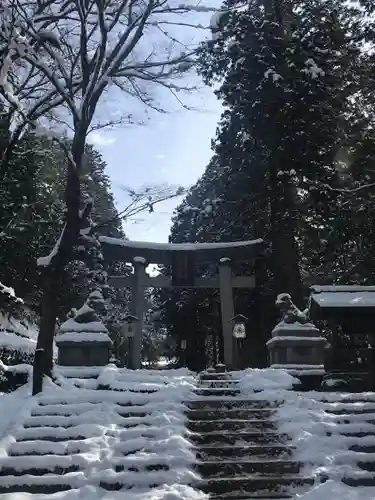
347 314
183 259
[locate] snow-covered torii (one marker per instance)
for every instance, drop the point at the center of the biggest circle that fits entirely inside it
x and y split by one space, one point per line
183 258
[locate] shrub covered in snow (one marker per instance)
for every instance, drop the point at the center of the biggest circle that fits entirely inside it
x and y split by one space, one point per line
18 337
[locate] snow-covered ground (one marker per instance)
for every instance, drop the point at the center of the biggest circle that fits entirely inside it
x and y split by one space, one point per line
153 433
306 418
139 423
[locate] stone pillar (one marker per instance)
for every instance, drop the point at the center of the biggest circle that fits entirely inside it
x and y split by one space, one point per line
137 309
227 311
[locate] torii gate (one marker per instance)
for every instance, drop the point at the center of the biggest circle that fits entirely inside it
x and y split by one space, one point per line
182 257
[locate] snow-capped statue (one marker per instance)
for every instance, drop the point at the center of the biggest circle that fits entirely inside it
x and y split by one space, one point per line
290 312
88 313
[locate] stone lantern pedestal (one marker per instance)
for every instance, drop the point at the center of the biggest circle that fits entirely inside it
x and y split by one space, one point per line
295 346
83 344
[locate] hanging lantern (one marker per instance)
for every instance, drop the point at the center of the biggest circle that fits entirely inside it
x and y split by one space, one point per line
239 326
130 325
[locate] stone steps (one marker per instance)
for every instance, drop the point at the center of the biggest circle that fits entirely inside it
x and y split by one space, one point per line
43 488
231 425
358 481
231 438
216 392
354 418
231 414
240 453
236 467
253 484
238 403
260 451
57 444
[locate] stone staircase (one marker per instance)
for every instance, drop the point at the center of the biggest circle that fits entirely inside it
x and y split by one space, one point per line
111 437
105 432
353 418
240 453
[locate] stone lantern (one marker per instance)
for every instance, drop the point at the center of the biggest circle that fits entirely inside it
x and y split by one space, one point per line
83 339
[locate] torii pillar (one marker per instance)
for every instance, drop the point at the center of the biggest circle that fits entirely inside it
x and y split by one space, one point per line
227 311
137 309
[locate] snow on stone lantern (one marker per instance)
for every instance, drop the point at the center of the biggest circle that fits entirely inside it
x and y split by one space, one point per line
83 339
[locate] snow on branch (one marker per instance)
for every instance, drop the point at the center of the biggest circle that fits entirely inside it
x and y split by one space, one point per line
47 260
9 293
60 56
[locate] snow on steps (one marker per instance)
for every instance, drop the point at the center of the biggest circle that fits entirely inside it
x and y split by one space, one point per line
248 437
75 438
333 434
329 438
240 453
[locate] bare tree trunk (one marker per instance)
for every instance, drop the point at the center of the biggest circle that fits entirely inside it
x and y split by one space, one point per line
54 273
49 313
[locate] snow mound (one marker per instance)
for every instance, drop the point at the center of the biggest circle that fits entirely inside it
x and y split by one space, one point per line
252 380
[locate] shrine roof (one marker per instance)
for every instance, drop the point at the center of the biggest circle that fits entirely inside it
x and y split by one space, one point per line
342 299
161 253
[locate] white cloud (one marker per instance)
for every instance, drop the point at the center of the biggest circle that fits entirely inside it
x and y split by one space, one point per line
100 139
160 156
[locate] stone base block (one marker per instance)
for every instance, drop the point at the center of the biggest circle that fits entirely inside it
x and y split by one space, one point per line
84 353
297 351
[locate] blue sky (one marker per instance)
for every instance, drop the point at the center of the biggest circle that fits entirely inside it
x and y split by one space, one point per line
172 147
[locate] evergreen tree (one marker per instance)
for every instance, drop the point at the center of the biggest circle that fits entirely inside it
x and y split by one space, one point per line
287 74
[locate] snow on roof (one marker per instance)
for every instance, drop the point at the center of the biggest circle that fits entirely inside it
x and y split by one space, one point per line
344 299
162 253
144 245
341 288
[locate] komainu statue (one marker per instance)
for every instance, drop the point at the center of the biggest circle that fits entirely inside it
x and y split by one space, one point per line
290 312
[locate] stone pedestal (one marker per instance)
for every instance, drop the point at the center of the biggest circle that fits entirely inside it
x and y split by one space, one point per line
83 344
296 346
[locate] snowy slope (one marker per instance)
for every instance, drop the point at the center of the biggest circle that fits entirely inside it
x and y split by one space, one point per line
120 429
